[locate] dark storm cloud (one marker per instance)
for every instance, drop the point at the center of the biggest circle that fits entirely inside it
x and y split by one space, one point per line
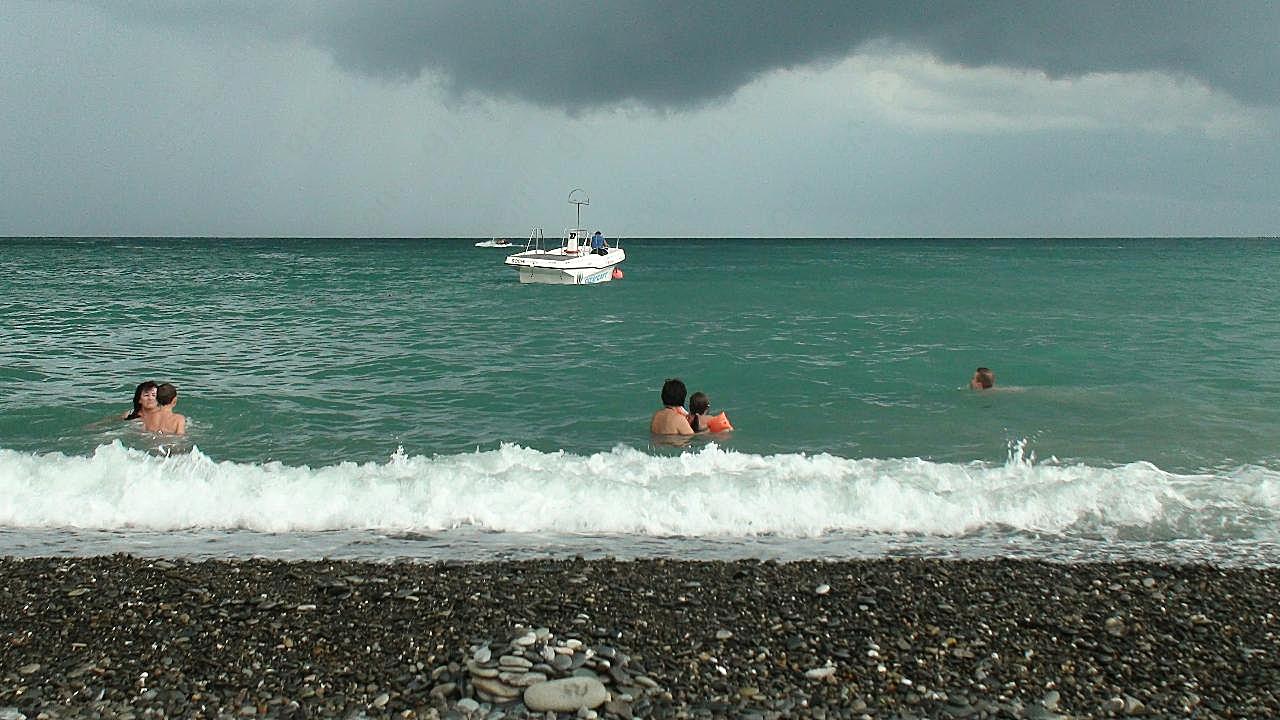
673 54
670 54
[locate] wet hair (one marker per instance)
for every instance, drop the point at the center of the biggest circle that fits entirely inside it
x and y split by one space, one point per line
673 392
166 394
137 398
986 378
699 403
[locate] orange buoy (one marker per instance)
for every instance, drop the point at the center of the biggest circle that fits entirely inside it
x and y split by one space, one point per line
617 274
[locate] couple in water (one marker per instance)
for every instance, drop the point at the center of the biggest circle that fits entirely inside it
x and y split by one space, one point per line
153 404
673 419
983 379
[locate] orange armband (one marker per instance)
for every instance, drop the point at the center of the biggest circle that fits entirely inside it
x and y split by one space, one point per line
719 423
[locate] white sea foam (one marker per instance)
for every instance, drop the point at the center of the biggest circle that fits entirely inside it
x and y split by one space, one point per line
711 492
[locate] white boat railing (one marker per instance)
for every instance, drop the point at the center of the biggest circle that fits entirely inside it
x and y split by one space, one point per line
535 241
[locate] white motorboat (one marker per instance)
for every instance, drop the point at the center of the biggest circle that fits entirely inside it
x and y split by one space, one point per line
496 242
574 262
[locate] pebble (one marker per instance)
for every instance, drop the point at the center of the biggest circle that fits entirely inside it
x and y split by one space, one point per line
521 679
364 652
566 695
1115 626
495 688
820 673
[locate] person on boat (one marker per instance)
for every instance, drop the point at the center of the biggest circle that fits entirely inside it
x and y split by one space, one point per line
700 418
672 419
144 400
164 419
983 379
598 245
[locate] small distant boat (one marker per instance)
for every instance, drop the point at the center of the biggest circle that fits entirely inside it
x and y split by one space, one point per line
496 242
574 262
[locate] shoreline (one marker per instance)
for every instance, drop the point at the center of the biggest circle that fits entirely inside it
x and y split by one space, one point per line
123 636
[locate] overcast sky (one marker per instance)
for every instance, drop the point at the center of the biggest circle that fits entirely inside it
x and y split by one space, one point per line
679 118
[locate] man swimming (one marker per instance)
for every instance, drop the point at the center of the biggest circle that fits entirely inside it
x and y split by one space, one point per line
164 419
672 419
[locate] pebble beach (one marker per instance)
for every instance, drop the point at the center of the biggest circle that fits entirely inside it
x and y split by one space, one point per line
126 637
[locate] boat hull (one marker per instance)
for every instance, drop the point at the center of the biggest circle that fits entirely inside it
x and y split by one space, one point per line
559 268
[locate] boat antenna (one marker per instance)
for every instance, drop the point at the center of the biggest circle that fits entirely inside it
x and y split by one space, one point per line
580 200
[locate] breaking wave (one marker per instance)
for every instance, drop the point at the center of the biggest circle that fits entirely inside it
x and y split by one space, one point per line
711 492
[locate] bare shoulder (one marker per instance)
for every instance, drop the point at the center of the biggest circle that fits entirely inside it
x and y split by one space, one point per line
668 423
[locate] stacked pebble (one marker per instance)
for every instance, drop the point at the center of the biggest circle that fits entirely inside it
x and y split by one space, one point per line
534 672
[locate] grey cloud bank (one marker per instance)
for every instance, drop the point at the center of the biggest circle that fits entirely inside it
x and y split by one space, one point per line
672 54
754 119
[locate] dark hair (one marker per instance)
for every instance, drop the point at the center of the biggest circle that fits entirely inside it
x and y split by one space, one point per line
986 378
699 403
137 398
673 392
166 394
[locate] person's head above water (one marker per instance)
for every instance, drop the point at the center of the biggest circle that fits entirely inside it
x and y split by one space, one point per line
673 392
699 403
144 398
166 394
983 379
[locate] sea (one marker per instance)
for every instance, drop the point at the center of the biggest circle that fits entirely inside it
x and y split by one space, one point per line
410 400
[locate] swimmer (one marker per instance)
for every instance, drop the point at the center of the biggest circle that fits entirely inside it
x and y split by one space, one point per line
983 379
164 419
672 419
700 419
144 400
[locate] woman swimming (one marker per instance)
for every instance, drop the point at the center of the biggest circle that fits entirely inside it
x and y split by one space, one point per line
144 400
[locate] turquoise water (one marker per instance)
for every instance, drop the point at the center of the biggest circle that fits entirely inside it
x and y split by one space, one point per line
1137 391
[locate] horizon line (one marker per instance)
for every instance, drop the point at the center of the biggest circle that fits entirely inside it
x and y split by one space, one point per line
515 241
